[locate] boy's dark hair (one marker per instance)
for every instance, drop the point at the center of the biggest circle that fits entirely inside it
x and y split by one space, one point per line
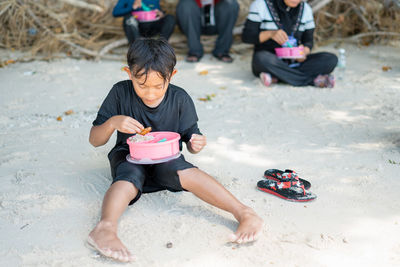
147 54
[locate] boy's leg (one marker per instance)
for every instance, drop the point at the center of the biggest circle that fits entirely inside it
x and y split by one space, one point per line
149 29
208 189
167 26
265 61
104 235
188 15
226 13
131 28
319 63
164 26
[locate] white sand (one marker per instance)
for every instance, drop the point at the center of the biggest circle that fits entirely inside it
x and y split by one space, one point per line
53 181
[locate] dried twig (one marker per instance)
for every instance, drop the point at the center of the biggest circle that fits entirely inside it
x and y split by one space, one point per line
318 4
360 15
111 46
81 49
50 14
46 27
366 34
5 8
83 4
388 3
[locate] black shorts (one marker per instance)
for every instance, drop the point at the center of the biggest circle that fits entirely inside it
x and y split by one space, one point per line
148 178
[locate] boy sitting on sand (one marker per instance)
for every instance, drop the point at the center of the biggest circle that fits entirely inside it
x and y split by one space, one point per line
148 99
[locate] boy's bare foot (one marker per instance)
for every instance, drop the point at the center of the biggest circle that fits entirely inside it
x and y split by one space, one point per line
104 239
250 226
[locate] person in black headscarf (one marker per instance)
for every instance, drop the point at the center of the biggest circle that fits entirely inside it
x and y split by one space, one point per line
272 24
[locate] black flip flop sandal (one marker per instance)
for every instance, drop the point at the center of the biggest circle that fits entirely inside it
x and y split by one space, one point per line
280 176
291 190
192 58
224 58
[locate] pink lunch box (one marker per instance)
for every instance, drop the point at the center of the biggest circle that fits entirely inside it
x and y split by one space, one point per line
144 16
152 149
289 52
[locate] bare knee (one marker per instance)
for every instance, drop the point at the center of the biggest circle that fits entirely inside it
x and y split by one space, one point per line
187 176
187 173
124 187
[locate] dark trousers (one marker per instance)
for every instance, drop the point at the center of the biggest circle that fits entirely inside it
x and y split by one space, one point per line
134 29
315 64
188 15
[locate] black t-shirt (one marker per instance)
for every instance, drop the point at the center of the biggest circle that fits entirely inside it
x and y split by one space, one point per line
176 112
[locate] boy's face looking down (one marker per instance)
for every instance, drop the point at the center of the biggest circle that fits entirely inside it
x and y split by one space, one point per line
151 88
151 66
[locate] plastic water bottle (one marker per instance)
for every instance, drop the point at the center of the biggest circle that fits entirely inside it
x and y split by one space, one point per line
341 63
342 58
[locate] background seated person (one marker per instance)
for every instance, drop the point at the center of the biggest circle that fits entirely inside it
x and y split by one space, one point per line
196 17
162 25
269 25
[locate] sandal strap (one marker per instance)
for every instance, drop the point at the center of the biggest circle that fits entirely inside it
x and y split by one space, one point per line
224 57
291 182
284 176
196 58
290 175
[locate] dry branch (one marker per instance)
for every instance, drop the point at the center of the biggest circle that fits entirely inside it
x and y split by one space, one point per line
87 28
318 4
112 46
81 49
368 34
83 4
360 15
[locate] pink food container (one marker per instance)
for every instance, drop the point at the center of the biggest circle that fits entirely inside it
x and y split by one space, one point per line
289 52
153 149
145 15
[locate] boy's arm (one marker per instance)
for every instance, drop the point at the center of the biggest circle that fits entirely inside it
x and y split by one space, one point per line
100 134
251 32
193 138
307 38
278 36
122 8
137 4
196 143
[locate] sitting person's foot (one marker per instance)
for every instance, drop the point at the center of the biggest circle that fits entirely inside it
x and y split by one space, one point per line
267 79
104 239
324 81
224 58
250 226
192 58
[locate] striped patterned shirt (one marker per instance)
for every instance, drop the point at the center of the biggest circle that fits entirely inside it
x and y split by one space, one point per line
264 17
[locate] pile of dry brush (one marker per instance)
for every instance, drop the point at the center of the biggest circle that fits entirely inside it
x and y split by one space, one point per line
86 27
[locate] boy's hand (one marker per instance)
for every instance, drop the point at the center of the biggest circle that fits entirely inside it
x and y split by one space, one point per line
160 14
137 4
306 52
279 36
197 142
126 124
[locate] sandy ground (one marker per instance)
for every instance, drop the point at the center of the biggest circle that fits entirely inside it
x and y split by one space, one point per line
346 141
